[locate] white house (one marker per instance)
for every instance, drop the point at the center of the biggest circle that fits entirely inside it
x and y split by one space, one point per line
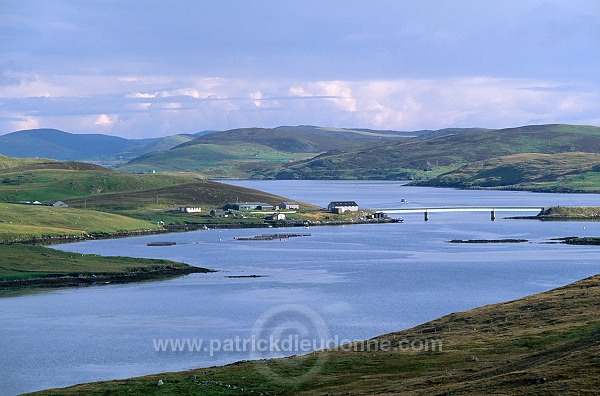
277 216
342 206
189 209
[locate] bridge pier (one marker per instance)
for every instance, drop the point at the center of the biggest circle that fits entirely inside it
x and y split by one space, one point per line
426 216
493 215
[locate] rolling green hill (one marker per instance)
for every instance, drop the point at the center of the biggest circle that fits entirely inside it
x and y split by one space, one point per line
248 152
10 162
428 157
214 160
66 180
303 139
94 187
559 172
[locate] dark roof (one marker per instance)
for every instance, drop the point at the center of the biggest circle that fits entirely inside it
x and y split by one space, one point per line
343 203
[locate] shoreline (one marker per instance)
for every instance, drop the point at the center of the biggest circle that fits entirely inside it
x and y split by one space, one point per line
135 274
97 279
60 239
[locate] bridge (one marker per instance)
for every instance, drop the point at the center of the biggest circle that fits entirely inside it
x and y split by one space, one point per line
491 209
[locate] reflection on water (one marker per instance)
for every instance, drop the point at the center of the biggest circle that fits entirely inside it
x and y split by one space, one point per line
364 280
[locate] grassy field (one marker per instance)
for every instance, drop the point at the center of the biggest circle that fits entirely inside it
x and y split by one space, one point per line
545 344
65 180
20 262
23 222
11 162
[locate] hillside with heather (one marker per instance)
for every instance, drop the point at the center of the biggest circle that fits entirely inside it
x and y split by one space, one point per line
249 152
428 157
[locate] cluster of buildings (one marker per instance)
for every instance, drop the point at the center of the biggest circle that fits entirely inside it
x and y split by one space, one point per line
241 206
333 207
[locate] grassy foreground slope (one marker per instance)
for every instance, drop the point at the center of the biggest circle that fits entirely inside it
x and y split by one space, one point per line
26 222
544 344
559 172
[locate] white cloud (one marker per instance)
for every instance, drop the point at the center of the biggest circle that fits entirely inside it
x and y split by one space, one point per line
134 106
141 95
106 120
22 124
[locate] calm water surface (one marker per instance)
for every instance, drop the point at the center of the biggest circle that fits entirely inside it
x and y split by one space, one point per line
364 280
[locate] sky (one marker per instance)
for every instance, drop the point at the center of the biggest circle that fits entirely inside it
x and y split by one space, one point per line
144 68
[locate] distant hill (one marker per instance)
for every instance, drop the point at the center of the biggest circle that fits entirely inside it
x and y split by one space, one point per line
546 172
53 143
351 133
287 139
312 152
152 145
426 157
248 152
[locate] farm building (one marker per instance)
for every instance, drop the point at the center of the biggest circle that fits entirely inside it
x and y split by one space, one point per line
289 205
59 204
342 206
250 206
217 213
